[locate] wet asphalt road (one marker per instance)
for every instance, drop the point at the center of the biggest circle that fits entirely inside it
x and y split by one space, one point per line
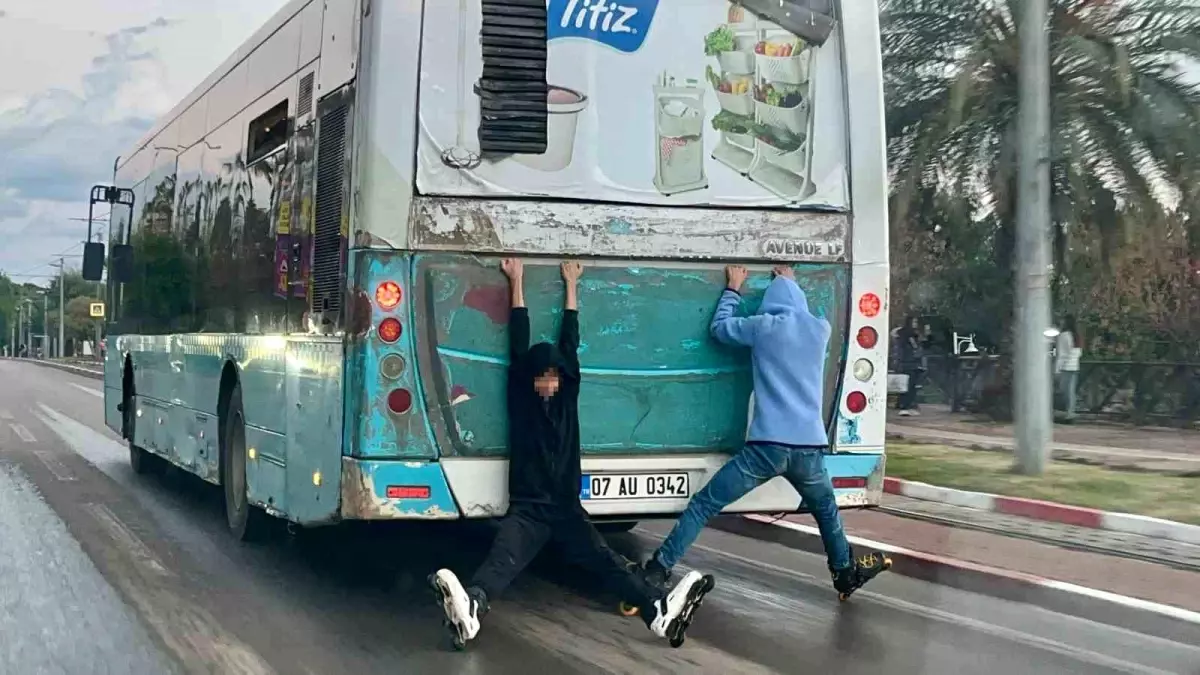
103 571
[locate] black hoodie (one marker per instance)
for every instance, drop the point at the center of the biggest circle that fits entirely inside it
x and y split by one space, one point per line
543 435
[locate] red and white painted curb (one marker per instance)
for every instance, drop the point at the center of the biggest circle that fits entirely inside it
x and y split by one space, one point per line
1079 516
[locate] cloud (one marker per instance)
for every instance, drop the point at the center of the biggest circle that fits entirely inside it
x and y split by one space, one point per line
59 142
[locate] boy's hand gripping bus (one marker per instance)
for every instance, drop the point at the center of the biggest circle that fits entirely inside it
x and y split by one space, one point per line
307 307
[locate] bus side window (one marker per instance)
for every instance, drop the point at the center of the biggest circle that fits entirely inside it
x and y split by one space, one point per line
268 220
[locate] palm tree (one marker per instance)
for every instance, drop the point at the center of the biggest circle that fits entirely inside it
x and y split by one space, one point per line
1125 120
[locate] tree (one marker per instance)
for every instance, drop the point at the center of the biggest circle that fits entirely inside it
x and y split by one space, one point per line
1124 119
8 308
79 322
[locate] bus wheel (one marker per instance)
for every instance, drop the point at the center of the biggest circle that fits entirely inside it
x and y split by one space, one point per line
246 521
143 462
616 528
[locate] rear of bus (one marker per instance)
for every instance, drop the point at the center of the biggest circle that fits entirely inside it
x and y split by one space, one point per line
629 135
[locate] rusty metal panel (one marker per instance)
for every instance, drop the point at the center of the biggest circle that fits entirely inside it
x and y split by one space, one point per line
313 387
654 381
375 368
605 230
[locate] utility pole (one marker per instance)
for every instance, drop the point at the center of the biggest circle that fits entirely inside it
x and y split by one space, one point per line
62 280
46 324
1033 414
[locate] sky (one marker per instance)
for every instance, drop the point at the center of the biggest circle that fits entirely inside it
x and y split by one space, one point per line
80 82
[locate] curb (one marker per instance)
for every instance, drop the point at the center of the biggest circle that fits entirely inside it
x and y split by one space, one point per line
1126 523
1057 596
75 370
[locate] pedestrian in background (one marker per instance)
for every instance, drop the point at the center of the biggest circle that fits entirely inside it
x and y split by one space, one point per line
1068 348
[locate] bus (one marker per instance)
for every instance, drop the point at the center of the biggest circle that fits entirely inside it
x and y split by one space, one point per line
308 308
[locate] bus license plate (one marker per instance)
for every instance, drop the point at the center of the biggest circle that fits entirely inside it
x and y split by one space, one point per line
636 486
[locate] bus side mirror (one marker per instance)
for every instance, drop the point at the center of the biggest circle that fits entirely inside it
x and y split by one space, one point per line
93 261
122 263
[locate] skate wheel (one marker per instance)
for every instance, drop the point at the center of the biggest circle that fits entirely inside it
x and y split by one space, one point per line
843 596
627 609
677 641
887 563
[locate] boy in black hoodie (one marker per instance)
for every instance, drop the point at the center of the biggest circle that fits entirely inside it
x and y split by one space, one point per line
544 483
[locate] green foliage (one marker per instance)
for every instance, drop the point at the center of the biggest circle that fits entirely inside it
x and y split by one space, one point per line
1125 163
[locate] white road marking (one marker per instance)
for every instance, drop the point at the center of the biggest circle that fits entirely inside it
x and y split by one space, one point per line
1015 635
1126 601
94 392
60 470
126 538
189 631
98 449
22 433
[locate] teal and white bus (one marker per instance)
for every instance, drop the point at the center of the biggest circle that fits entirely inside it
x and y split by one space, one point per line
313 314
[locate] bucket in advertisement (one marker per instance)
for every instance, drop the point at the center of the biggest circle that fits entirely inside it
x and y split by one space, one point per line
564 107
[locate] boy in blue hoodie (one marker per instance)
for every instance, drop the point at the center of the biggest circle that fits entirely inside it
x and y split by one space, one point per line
787 435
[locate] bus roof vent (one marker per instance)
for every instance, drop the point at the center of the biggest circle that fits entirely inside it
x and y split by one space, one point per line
329 238
512 90
304 104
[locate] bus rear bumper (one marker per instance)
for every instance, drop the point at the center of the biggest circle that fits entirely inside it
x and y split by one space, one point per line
481 485
395 490
478 488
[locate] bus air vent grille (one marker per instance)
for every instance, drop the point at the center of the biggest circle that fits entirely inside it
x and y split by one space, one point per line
328 246
304 105
512 89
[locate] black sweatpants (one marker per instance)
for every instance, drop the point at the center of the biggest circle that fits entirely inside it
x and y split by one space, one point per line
524 533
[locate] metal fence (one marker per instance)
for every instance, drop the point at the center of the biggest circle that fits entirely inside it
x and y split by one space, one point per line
1138 392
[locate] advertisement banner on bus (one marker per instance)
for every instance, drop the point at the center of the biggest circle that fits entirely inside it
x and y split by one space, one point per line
692 102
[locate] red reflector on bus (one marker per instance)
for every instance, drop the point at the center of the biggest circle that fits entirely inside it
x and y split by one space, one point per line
387 295
849 483
856 402
415 491
867 337
399 401
390 329
869 305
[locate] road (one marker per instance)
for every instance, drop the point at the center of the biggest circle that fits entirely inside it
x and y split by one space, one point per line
115 573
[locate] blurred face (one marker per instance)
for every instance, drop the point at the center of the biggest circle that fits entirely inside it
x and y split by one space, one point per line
546 384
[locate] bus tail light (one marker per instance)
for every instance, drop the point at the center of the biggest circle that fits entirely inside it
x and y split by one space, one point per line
390 329
392 366
863 370
867 337
869 304
415 491
849 483
387 295
399 401
856 402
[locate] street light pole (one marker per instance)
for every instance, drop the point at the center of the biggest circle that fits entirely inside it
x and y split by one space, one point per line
62 294
46 351
1033 414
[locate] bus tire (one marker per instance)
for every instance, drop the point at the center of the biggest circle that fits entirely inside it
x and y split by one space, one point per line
246 521
616 528
143 462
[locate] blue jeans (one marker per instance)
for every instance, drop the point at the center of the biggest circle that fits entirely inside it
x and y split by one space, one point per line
756 464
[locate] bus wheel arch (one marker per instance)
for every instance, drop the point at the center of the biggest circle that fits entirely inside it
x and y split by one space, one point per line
142 461
246 521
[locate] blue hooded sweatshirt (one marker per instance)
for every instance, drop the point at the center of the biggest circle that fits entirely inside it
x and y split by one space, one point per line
788 346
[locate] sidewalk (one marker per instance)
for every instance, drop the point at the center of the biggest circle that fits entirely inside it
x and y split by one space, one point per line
1179 554
83 367
1112 445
